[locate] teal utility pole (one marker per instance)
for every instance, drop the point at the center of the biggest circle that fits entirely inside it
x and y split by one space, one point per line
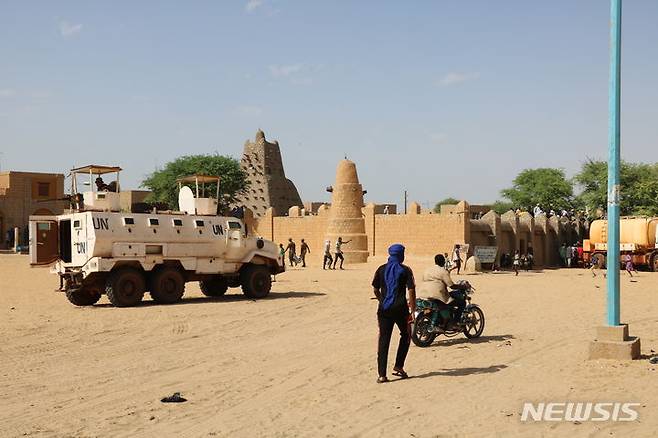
614 109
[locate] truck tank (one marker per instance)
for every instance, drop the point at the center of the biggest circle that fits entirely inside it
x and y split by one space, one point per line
640 231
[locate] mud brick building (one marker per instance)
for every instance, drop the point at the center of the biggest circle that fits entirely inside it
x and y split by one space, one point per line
24 194
422 233
269 187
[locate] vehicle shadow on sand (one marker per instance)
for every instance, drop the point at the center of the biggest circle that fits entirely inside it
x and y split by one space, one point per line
230 298
480 340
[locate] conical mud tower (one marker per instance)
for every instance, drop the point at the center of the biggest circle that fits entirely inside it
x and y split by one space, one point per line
345 217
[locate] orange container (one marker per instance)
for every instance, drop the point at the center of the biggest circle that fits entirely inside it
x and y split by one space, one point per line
640 231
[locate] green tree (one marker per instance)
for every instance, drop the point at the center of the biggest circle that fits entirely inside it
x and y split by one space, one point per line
544 186
446 201
638 188
502 207
164 187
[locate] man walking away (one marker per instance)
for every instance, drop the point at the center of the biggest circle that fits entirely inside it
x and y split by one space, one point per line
390 284
302 251
292 252
339 252
327 254
456 259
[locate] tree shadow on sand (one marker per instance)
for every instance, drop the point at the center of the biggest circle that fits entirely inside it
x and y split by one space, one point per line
462 371
463 340
230 298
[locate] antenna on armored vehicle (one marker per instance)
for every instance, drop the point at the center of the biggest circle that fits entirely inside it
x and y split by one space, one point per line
197 202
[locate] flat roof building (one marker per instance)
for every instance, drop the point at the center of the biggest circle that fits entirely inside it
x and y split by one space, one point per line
25 194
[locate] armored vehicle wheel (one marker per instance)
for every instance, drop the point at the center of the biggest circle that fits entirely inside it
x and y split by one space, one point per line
256 281
125 287
85 296
167 286
215 287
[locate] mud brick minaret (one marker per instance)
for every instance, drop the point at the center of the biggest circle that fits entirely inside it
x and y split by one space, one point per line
345 216
269 187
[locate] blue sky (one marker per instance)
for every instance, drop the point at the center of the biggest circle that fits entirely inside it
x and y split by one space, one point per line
443 98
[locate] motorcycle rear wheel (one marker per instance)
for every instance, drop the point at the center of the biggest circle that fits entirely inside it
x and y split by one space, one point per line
474 318
420 334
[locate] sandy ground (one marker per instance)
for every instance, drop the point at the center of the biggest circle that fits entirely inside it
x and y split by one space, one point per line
302 362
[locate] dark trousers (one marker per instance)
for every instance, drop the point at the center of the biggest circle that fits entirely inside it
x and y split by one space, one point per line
459 301
292 256
303 257
339 256
327 258
386 324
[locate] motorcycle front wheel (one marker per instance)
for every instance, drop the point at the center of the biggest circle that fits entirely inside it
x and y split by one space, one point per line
421 334
474 318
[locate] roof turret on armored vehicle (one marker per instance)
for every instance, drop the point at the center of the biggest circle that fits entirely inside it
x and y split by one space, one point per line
100 196
96 249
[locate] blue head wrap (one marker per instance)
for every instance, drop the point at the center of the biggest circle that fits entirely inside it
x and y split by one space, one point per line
392 273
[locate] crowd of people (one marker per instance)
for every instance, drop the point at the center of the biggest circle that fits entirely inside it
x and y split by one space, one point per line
571 256
573 215
329 261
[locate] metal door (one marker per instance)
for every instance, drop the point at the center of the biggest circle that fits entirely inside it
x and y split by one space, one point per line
44 242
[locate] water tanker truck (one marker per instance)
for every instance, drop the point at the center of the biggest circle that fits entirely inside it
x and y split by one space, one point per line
637 237
97 249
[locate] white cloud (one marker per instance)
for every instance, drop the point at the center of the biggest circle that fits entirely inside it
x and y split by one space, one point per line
252 5
284 71
454 78
67 29
249 111
7 92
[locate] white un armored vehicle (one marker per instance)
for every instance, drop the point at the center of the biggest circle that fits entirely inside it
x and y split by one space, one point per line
98 249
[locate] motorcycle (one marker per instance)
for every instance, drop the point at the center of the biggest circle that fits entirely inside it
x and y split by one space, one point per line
434 318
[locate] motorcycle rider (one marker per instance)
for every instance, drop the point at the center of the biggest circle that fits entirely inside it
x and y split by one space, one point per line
435 285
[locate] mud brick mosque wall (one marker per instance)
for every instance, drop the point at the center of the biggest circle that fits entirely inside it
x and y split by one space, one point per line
280 228
423 234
